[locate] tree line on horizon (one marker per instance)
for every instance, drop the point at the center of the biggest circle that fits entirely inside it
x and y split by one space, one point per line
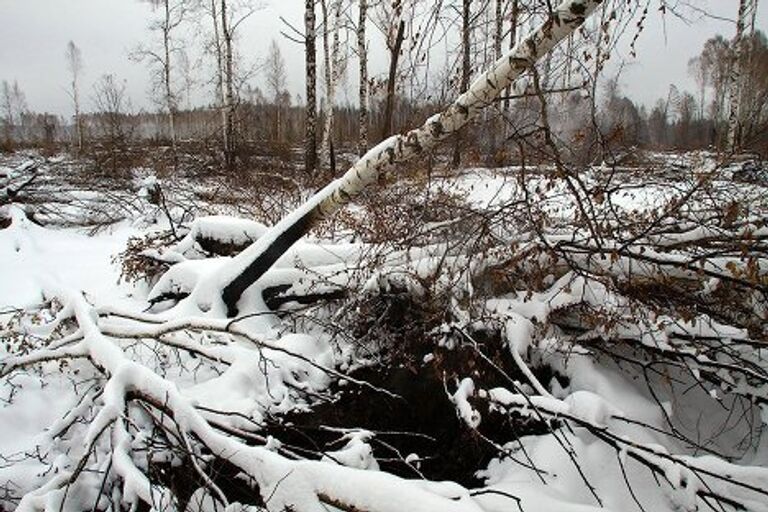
586 109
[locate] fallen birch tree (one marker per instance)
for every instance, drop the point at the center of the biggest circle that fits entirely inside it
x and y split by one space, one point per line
252 263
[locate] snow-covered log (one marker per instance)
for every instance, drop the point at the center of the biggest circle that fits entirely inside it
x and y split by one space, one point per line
251 264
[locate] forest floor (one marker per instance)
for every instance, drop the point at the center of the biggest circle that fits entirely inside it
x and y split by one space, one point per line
497 339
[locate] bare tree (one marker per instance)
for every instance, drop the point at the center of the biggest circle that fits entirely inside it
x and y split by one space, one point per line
333 64
362 55
112 117
736 79
228 92
276 80
14 105
466 13
392 25
699 69
172 16
227 19
310 59
74 60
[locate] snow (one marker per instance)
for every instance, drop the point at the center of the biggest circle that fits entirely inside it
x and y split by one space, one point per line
267 364
222 228
35 261
461 399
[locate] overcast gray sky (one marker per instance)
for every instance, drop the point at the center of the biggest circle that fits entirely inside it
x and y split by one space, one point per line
35 33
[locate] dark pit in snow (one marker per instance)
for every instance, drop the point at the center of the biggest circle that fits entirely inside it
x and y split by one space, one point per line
422 421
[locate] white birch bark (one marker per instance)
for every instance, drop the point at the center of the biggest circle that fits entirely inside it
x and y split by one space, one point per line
498 125
332 73
228 94
362 52
217 45
251 264
170 99
75 65
310 126
736 72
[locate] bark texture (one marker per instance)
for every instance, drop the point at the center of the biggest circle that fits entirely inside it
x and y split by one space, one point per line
395 45
362 52
466 11
310 59
736 72
228 93
332 60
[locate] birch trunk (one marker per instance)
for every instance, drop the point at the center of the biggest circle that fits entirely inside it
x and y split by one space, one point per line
734 120
74 62
247 267
310 125
332 71
395 44
362 52
514 15
497 130
465 70
229 92
217 45
170 102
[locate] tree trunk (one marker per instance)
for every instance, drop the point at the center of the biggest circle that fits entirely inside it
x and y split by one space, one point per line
78 121
169 100
465 70
229 91
217 44
310 59
395 47
497 126
247 267
514 16
734 116
331 57
362 52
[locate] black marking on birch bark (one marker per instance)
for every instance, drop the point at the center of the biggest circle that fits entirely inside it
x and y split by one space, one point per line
412 141
255 269
578 9
390 151
519 63
436 129
531 47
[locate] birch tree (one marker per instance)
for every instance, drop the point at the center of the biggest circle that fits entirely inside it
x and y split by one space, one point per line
227 18
172 15
74 60
362 55
466 12
228 88
514 15
333 67
310 61
276 80
735 80
251 264
392 25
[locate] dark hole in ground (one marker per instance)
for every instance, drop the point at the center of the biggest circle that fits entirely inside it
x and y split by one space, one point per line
422 422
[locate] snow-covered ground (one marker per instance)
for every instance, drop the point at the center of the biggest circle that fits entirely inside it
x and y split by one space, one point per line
619 430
